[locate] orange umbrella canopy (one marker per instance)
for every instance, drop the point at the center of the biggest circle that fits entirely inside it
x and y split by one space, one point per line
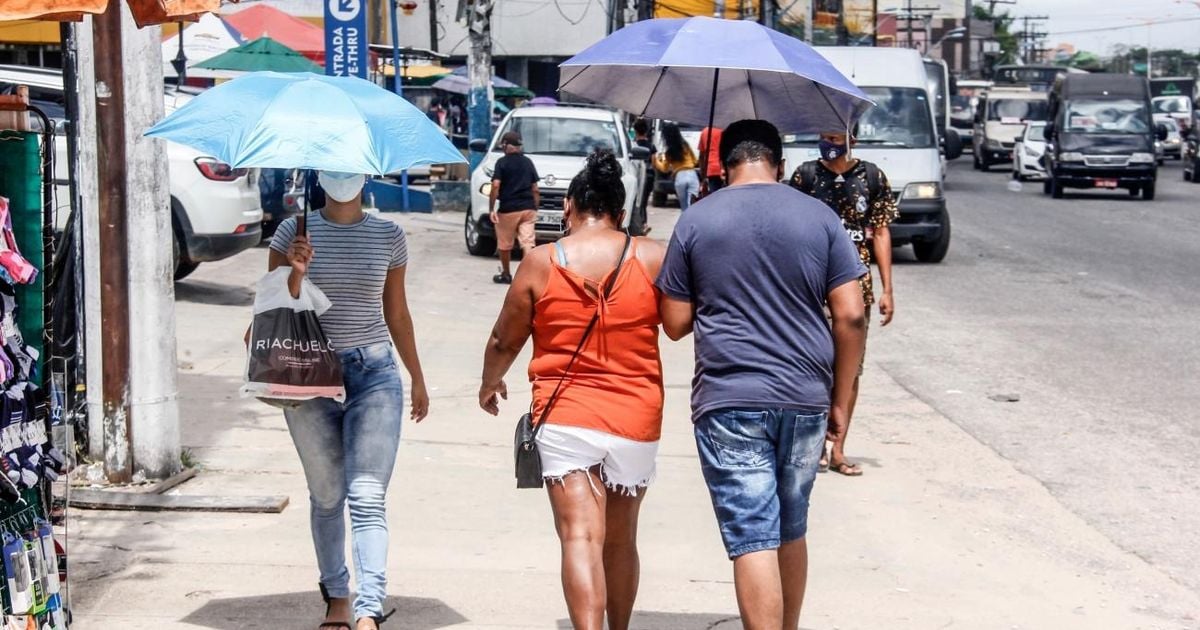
145 12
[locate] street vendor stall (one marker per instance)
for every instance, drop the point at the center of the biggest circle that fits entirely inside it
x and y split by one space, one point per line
40 326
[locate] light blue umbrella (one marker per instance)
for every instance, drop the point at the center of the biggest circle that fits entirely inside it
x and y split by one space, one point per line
308 121
709 71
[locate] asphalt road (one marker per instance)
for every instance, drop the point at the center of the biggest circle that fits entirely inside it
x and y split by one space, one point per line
1085 308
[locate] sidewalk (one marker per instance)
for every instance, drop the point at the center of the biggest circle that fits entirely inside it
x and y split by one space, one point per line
940 532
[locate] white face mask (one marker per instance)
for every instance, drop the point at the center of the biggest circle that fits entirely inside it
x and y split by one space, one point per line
341 187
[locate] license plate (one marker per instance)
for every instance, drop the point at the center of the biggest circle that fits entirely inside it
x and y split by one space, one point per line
1104 183
549 217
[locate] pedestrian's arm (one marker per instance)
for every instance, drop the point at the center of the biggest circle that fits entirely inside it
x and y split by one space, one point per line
537 196
512 330
675 304
493 195
678 316
400 325
883 259
849 316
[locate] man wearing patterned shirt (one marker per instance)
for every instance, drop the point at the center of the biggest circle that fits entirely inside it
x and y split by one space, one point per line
859 193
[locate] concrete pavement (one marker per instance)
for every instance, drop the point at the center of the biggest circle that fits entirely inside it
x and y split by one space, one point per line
941 532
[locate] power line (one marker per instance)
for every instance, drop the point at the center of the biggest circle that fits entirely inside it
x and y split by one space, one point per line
1126 26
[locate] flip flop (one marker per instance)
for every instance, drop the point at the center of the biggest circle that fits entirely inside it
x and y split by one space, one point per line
847 469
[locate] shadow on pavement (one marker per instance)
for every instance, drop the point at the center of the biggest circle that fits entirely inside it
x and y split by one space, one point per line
202 292
675 621
303 610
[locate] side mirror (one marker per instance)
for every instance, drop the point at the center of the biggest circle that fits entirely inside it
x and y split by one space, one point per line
952 144
639 153
1049 131
479 145
1161 131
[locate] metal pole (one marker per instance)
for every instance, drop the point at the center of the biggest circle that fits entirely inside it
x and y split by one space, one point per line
479 70
181 58
399 86
69 35
433 25
114 270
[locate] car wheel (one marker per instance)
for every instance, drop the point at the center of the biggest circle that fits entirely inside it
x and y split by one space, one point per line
1148 192
1056 189
659 199
183 266
935 252
477 243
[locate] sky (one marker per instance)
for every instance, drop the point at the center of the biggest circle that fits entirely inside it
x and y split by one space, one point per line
1178 27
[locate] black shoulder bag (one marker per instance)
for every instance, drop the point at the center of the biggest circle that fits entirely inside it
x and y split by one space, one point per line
525 449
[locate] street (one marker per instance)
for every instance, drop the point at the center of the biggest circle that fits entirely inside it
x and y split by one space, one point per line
1084 307
1066 509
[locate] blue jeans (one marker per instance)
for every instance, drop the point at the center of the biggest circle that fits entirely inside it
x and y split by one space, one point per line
348 451
760 465
687 185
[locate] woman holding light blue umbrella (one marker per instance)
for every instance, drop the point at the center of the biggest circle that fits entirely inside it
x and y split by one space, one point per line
343 127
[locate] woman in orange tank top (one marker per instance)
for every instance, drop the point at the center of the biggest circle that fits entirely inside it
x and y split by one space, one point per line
601 434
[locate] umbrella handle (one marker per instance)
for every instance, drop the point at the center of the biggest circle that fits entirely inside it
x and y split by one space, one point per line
712 114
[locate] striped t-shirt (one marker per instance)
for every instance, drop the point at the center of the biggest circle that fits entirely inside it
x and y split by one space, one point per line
350 265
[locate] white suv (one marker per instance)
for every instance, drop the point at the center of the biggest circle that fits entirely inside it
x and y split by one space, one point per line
216 212
558 139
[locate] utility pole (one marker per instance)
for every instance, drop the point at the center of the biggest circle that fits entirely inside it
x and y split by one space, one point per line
479 70
766 13
925 14
114 270
132 237
1029 35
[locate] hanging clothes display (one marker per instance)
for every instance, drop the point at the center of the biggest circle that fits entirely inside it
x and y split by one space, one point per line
31 589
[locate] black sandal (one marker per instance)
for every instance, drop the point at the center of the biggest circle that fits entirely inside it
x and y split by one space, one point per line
379 620
328 607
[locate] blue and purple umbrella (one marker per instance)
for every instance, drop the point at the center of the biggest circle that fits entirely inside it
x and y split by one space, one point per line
709 71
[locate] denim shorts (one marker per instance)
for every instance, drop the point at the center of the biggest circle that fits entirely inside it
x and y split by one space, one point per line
760 465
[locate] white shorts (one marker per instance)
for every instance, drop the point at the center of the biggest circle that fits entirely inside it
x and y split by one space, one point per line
625 464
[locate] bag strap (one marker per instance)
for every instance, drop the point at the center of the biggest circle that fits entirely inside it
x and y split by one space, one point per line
587 332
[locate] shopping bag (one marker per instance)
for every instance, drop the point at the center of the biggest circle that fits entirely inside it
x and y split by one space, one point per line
290 358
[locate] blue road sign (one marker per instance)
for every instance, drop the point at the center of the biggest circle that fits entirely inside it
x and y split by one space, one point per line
346 38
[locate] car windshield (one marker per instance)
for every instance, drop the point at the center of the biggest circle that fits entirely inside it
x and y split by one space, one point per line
544 135
1036 132
1017 109
901 118
1108 116
1171 105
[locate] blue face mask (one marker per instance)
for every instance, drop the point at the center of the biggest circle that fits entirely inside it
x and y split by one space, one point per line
831 150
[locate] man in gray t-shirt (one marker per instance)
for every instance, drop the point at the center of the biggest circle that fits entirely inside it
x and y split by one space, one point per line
751 269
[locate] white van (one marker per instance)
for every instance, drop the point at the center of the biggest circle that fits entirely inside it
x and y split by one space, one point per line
900 135
1000 120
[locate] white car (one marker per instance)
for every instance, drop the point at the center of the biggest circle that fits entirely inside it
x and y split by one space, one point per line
558 140
216 211
1028 152
1172 146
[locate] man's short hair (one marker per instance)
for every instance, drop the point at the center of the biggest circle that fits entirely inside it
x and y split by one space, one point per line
641 126
750 141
